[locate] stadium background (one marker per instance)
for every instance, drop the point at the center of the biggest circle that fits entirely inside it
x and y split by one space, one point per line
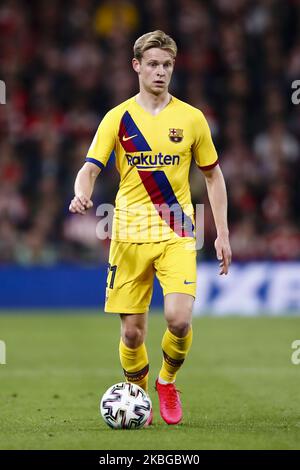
64 65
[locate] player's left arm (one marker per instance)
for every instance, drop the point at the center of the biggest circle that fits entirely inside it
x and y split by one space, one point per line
218 200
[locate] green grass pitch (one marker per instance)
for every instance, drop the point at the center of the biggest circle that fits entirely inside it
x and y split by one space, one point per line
239 387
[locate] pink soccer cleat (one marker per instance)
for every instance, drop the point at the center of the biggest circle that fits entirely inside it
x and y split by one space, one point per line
169 403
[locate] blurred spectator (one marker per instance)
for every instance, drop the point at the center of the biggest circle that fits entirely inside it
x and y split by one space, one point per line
275 146
65 64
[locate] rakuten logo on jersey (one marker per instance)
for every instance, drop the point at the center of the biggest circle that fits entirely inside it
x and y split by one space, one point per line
148 160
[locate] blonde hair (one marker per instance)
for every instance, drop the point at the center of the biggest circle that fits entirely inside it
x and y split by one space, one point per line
157 39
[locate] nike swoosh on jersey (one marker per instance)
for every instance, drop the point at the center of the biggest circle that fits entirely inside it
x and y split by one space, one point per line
129 128
128 138
188 282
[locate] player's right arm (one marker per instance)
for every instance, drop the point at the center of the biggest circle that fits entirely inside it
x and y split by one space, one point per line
83 188
96 159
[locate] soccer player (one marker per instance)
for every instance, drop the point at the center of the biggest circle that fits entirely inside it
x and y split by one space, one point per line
155 136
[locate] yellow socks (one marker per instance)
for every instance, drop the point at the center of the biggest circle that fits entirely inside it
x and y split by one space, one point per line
135 361
135 364
175 351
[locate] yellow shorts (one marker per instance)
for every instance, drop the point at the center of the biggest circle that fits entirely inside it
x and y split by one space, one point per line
132 267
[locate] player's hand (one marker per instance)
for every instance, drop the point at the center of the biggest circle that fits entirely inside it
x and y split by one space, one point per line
223 251
80 205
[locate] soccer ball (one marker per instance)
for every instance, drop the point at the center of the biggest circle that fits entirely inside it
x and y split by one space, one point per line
125 406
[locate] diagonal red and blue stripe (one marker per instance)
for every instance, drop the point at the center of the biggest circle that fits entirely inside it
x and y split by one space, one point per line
128 130
166 203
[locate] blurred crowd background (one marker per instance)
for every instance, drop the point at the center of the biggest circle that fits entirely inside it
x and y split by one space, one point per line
66 63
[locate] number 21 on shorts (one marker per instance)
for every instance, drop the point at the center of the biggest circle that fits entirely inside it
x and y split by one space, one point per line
111 269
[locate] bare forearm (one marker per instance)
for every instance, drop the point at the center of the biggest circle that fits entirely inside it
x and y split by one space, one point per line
218 200
217 195
84 183
83 188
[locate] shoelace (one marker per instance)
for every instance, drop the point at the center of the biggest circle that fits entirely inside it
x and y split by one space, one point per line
172 397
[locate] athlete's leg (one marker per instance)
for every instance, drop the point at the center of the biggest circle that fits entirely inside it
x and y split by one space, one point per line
176 343
132 349
128 293
177 339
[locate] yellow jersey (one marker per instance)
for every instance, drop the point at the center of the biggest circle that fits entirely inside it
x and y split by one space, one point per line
153 156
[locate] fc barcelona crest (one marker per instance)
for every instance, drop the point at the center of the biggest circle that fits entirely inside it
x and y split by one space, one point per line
176 135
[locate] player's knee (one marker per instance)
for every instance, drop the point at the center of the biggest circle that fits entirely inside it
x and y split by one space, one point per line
133 336
179 327
179 319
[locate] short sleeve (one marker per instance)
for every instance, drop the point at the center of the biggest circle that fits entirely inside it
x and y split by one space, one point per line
204 151
103 142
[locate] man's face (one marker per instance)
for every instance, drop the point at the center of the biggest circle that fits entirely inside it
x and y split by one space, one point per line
155 70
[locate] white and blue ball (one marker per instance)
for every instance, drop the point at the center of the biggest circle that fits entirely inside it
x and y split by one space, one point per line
125 406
